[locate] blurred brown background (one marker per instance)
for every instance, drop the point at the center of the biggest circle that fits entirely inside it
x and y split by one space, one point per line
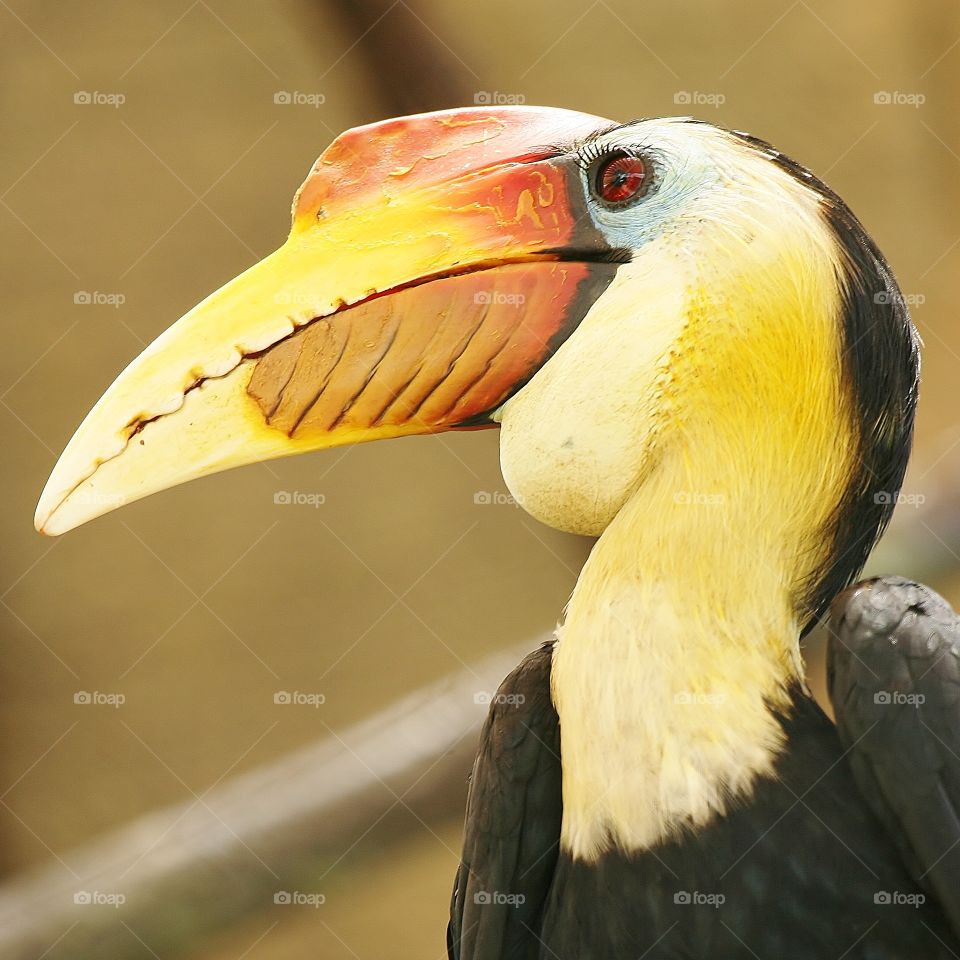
197 606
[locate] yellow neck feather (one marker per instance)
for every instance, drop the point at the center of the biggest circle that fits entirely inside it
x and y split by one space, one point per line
681 636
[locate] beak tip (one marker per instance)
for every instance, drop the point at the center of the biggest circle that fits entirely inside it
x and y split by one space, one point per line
61 510
43 519
56 511
52 522
41 523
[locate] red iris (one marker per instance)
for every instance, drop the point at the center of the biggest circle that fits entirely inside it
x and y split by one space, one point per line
621 177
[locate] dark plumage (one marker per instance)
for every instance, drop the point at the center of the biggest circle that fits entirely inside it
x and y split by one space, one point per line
513 820
895 684
852 849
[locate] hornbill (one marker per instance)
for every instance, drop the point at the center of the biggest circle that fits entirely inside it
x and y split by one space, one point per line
695 353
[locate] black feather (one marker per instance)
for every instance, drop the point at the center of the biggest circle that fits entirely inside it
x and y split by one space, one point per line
512 827
894 675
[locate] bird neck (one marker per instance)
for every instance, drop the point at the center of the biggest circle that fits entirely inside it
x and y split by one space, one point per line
678 647
680 640
681 636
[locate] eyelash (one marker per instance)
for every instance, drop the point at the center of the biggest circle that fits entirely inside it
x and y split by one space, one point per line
589 152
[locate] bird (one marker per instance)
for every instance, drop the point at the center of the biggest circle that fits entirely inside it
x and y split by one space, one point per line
694 353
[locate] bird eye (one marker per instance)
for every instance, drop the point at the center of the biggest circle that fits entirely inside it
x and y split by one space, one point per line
620 177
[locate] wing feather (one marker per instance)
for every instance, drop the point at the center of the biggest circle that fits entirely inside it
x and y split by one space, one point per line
894 677
512 829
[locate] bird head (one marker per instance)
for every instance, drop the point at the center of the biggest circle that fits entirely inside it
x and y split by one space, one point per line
661 310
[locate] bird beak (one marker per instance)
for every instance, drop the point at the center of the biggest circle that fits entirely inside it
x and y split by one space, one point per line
435 262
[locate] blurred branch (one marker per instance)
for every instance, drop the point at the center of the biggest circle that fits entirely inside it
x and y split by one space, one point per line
409 66
186 871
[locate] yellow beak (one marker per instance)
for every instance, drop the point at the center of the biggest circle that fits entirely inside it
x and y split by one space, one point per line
435 262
